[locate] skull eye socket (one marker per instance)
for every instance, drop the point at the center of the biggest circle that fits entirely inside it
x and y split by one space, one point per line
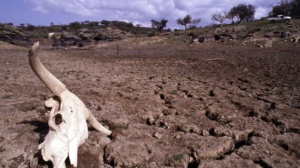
58 119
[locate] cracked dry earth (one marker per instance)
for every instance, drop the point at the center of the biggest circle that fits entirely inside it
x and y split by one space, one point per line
168 106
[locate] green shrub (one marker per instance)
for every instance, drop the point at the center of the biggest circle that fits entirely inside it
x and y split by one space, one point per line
152 34
40 35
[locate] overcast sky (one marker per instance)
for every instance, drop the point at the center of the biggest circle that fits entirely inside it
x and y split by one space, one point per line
42 12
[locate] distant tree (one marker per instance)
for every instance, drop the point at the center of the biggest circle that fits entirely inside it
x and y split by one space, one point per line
74 25
159 25
194 23
63 27
276 10
138 25
186 20
30 27
230 16
219 17
85 22
22 25
286 7
51 24
295 11
168 30
105 22
243 12
251 12
93 24
11 24
41 27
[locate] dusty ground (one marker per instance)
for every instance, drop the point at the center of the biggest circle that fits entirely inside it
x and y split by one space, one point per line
204 106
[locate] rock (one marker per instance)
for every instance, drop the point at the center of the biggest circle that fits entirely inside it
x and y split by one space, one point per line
204 39
67 35
151 120
285 34
77 41
238 28
127 154
157 135
100 38
262 151
27 106
192 35
296 39
14 35
177 160
56 44
118 123
269 35
83 35
208 147
188 128
229 161
223 36
68 43
195 40
288 141
268 43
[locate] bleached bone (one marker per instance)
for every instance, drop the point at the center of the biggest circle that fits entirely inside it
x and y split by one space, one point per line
68 118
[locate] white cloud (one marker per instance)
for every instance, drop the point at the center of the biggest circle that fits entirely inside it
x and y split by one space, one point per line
142 11
40 9
261 12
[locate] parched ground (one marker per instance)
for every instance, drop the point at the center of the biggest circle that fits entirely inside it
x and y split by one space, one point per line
200 106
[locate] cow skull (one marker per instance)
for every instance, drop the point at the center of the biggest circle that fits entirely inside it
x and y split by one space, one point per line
68 116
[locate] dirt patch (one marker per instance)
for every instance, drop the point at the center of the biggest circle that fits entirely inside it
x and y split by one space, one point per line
168 105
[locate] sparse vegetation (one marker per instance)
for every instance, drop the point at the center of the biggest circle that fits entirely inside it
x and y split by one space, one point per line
219 17
178 157
242 12
185 21
159 25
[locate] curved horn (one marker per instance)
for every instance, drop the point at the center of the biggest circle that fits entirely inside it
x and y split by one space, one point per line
95 124
46 77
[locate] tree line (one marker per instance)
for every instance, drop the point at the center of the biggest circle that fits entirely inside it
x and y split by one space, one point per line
245 13
286 7
241 12
237 14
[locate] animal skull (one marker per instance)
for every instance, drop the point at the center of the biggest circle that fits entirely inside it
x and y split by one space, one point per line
68 116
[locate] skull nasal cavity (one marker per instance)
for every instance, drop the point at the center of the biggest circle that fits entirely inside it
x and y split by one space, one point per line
58 119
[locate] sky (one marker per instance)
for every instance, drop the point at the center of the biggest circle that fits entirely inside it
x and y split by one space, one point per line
43 12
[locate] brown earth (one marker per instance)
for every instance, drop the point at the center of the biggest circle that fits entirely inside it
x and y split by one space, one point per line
168 105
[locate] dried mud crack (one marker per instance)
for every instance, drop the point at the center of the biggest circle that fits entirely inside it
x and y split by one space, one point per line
168 106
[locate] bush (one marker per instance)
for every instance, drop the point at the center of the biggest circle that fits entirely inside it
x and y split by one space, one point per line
40 35
2 26
169 30
152 34
74 25
30 27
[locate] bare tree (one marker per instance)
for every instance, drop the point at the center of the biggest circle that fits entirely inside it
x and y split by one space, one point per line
159 25
186 20
194 23
219 17
230 16
22 25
